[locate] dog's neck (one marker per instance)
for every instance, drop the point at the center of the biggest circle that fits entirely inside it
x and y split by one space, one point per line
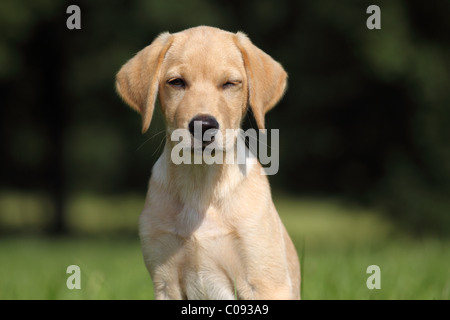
201 185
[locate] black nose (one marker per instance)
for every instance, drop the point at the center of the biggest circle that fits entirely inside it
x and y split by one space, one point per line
204 123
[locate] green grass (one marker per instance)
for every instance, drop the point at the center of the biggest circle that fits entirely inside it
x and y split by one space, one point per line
336 244
339 242
35 268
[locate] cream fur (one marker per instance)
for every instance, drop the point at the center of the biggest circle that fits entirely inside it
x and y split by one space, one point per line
210 230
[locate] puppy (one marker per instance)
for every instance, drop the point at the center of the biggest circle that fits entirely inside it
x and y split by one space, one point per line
210 230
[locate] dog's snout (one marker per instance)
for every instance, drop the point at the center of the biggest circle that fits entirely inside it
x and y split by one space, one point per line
205 122
204 128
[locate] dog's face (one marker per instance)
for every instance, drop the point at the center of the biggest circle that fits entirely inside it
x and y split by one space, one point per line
205 78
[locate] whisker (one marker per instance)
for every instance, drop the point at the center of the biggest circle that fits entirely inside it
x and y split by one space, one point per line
262 143
159 146
158 133
252 126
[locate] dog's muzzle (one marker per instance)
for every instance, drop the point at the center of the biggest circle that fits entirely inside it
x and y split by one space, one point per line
203 128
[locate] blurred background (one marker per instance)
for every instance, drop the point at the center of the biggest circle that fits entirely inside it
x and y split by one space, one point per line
365 121
366 115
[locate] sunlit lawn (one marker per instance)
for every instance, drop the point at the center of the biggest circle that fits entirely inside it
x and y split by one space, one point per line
336 242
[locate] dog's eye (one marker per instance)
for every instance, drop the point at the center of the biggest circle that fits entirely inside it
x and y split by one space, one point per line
177 82
230 84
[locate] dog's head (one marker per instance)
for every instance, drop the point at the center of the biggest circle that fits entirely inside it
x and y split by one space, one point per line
205 78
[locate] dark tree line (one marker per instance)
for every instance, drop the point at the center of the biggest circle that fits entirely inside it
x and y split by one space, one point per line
366 115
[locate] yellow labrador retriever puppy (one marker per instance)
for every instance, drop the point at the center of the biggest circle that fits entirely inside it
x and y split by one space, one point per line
210 230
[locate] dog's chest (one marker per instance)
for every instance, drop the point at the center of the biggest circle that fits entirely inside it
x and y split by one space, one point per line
196 253
206 272
192 225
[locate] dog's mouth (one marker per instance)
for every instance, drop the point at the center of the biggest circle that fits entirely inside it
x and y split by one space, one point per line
205 150
207 139
211 142
209 145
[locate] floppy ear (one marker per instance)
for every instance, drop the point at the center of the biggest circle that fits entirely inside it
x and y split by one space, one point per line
138 79
266 78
